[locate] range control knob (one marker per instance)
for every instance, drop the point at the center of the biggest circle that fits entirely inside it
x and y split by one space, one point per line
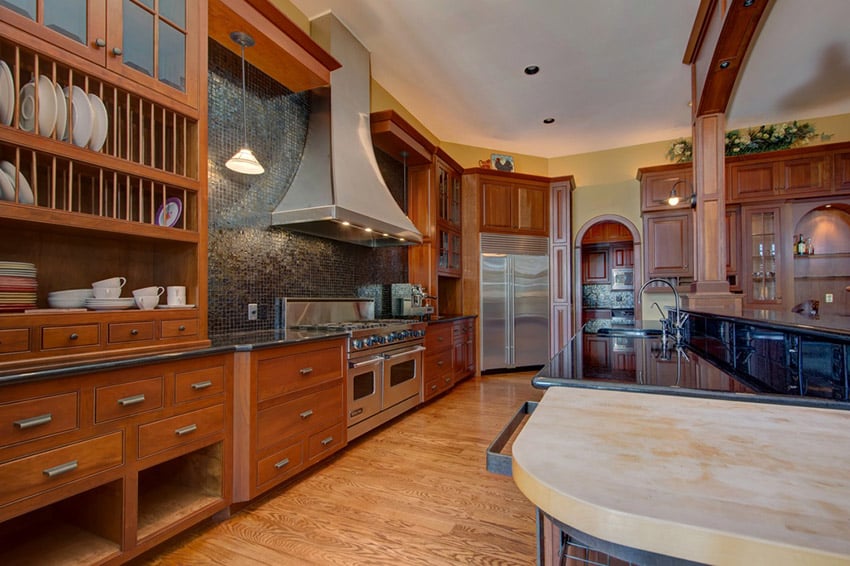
357 343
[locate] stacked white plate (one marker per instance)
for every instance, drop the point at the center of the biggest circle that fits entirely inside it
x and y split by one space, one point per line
10 179
69 299
18 286
110 304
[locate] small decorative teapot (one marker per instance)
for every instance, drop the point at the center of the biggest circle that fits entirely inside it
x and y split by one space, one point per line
484 164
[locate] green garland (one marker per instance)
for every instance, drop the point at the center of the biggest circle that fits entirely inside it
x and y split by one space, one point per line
771 137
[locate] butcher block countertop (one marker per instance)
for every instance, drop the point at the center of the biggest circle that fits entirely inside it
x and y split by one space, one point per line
707 480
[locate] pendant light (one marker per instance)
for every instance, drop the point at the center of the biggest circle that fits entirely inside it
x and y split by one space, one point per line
244 161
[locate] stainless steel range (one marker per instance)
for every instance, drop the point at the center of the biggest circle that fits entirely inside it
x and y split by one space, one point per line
385 357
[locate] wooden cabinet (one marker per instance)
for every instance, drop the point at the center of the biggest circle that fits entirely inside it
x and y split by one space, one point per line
733 247
763 256
100 193
595 265
791 175
448 219
623 256
656 184
100 467
669 243
514 206
560 264
606 232
593 314
154 44
439 359
463 340
841 171
289 404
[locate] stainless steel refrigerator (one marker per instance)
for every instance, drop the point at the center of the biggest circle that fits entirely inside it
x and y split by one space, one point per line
514 301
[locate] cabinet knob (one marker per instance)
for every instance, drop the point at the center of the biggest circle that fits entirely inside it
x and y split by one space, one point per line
134 332
117 51
305 371
327 440
100 42
181 328
73 336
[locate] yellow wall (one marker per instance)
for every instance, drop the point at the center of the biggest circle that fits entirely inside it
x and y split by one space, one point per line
290 11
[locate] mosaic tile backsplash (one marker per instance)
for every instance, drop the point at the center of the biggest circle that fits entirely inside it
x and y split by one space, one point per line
601 296
249 260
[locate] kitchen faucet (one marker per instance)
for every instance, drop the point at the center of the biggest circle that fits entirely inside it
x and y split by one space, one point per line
679 319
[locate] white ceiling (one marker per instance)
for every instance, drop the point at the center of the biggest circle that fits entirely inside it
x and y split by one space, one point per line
611 70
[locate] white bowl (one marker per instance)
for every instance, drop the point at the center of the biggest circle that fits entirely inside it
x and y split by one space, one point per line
66 302
147 302
69 293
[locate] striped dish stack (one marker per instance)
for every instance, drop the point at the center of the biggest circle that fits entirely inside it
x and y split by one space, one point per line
18 286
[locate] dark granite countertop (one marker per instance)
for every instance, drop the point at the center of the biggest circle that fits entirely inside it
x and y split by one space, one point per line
449 318
786 320
243 341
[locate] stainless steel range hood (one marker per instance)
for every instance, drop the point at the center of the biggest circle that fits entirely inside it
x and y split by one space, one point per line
338 191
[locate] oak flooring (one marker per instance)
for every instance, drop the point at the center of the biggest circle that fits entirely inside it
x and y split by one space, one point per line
413 492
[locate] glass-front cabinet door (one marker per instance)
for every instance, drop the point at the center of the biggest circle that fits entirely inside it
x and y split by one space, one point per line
761 226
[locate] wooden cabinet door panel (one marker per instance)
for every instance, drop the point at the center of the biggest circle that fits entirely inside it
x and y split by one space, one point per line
197 384
669 244
282 374
126 399
751 181
14 340
281 464
805 176
182 429
302 415
496 205
323 443
841 172
595 266
532 210
623 256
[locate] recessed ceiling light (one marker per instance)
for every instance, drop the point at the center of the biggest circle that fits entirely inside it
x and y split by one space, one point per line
532 70
548 120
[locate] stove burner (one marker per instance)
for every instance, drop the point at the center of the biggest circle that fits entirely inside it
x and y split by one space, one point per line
370 334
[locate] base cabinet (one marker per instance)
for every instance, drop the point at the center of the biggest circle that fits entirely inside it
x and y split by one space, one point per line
449 355
97 468
289 412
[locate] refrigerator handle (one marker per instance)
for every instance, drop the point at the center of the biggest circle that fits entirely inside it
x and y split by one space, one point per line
509 311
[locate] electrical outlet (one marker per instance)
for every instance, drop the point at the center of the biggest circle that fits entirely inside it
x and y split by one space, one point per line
828 298
252 311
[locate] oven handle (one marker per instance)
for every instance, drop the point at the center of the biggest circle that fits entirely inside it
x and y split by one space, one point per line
404 353
369 362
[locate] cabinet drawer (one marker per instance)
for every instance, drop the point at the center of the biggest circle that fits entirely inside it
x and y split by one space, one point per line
14 340
438 338
179 328
78 336
125 399
182 429
438 364
40 472
432 387
287 373
198 384
299 416
34 418
130 331
325 442
281 464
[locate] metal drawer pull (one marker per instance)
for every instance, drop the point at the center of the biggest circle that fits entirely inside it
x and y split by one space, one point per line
307 413
327 441
33 421
356 412
60 469
100 42
202 385
117 51
305 371
186 430
181 328
440 362
73 336
448 379
282 463
133 400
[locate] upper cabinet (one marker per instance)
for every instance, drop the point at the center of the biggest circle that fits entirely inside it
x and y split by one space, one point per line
657 183
513 204
807 172
108 158
156 44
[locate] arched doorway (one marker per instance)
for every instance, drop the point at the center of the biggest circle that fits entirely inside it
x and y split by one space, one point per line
607 272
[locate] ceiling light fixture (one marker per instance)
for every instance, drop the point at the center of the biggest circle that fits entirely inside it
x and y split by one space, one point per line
548 120
531 70
244 161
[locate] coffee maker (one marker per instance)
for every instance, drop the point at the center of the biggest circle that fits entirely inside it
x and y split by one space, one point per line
411 301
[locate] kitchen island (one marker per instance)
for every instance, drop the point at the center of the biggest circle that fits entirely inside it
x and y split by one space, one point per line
727 448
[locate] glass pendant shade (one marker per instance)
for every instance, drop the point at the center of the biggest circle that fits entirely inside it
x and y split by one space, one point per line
243 161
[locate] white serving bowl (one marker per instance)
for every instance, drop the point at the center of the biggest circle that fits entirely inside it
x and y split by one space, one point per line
66 302
69 293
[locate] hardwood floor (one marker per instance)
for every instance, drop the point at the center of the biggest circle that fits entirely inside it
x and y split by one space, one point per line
415 491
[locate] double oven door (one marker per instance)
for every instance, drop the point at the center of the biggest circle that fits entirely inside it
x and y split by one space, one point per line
380 381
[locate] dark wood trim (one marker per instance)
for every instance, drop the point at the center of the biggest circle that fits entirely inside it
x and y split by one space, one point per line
506 174
393 134
698 31
568 179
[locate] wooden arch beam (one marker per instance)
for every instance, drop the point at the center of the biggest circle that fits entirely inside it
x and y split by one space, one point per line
721 35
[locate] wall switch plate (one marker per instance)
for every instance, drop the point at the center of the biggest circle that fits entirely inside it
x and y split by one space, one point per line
828 298
252 311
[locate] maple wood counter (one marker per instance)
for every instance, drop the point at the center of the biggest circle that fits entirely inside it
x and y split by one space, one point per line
708 480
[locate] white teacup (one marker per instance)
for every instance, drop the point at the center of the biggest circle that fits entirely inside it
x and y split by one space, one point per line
107 292
111 282
176 295
157 291
146 302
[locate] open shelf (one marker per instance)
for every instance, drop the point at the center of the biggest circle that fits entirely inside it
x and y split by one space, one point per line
83 529
178 488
